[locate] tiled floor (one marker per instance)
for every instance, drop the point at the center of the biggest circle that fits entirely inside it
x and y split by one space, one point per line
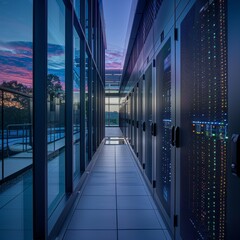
113 132
115 203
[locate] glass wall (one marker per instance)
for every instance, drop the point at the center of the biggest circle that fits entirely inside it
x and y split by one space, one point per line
77 8
56 103
66 68
15 88
1 130
86 108
76 106
87 19
16 85
111 111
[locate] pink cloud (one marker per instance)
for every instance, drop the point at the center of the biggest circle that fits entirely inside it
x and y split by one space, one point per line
16 62
113 59
14 73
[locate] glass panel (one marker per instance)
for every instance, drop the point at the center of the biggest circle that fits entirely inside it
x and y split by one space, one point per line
114 100
113 115
165 121
86 19
94 115
56 103
111 111
16 118
86 109
77 6
204 121
106 100
18 132
93 28
2 135
76 108
91 110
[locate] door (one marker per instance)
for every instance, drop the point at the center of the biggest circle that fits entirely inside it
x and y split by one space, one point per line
132 119
148 120
203 120
140 120
233 181
165 151
135 119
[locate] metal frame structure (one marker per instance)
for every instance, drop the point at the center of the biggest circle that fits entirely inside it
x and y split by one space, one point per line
45 226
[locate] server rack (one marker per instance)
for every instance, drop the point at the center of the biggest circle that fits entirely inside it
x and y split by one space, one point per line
203 120
148 123
196 114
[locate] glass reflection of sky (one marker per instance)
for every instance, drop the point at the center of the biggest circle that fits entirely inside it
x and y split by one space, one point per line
56 40
76 57
116 16
16 41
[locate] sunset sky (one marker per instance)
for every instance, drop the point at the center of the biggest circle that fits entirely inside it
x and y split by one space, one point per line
16 44
16 41
116 14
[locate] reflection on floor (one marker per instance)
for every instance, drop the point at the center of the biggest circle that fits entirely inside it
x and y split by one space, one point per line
22 158
16 163
115 202
16 201
16 208
113 132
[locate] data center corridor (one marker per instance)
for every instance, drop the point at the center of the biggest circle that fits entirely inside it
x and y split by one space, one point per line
115 202
119 119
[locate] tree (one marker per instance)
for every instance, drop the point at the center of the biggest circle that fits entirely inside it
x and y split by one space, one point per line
54 86
14 85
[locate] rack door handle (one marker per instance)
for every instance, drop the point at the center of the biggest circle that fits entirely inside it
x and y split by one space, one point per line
177 137
172 135
235 150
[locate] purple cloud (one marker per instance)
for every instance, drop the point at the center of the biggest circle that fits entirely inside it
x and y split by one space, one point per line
114 59
16 62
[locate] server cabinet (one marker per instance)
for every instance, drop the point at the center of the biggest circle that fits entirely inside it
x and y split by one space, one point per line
132 119
125 118
140 120
135 122
165 117
128 117
148 123
233 180
203 119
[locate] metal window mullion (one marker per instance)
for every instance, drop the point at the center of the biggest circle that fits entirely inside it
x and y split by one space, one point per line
82 104
90 108
2 126
98 112
69 99
40 203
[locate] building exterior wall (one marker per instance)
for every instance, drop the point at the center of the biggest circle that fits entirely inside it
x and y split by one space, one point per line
52 106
